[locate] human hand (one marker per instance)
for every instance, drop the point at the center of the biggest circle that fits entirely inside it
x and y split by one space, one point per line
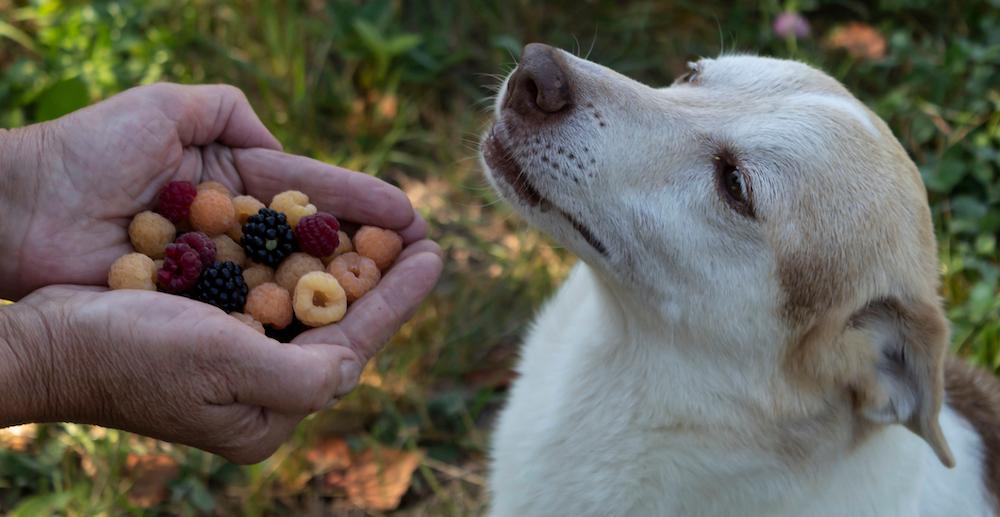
186 372
72 185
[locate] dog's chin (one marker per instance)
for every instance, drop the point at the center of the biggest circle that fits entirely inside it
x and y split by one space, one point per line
513 184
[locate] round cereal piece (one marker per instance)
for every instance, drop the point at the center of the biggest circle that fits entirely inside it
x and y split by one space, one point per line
256 274
133 271
356 274
249 321
294 204
270 304
150 233
216 186
319 300
345 246
212 212
226 249
292 268
378 244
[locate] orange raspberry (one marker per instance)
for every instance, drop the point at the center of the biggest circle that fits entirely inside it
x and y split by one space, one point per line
249 321
294 204
226 249
133 271
216 186
378 244
212 212
356 274
294 267
270 304
319 299
256 274
150 233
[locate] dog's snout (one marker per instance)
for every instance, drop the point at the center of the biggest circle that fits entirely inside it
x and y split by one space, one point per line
540 84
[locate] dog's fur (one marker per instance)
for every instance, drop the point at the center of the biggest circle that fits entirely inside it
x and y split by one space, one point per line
783 357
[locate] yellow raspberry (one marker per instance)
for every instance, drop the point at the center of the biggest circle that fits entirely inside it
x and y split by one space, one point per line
212 212
294 204
378 244
245 206
270 304
150 233
226 249
294 267
249 321
256 274
133 271
345 246
216 186
319 300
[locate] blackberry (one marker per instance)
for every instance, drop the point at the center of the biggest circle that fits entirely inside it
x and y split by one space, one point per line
268 238
221 285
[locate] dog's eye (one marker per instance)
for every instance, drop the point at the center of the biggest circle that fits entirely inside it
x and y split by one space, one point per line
733 186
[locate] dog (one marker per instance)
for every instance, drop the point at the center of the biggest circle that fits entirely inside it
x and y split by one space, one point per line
754 326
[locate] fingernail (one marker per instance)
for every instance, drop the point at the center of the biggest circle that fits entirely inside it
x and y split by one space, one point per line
349 373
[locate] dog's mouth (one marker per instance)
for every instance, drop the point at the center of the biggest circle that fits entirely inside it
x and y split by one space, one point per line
506 168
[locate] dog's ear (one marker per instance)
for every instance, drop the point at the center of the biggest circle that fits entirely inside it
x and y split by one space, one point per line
906 383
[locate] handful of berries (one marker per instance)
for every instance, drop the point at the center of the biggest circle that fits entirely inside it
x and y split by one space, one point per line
268 266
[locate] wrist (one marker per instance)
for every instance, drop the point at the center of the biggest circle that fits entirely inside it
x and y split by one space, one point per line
21 155
24 378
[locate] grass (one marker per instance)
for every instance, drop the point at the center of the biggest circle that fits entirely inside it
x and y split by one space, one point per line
402 90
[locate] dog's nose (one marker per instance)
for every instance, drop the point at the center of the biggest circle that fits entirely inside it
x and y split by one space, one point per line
540 84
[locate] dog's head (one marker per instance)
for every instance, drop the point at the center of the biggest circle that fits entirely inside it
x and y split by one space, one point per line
754 203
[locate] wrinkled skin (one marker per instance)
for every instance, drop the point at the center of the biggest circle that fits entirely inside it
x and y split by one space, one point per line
157 364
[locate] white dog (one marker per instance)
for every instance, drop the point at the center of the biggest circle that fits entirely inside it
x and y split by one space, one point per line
754 328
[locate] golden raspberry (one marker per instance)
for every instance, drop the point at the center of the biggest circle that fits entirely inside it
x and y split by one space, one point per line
294 267
212 212
294 204
216 186
319 299
378 244
133 271
356 274
158 263
270 304
150 233
256 274
249 321
245 206
345 246
228 249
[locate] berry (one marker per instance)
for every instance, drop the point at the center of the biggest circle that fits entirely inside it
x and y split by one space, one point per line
212 212
378 244
270 304
174 200
294 267
150 233
267 238
249 321
319 300
221 285
201 244
257 274
216 186
132 271
345 246
294 204
317 234
181 268
356 274
229 250
245 206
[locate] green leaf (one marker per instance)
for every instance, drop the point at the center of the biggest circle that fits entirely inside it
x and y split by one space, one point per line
17 35
61 98
42 504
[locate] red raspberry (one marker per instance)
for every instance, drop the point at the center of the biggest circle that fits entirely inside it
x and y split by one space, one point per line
201 244
175 200
317 234
181 268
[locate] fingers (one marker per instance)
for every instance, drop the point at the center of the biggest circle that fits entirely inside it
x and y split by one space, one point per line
211 113
349 195
373 319
415 231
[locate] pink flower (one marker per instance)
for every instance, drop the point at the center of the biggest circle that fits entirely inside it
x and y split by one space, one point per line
792 24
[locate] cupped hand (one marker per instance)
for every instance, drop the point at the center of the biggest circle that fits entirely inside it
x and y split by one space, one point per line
78 180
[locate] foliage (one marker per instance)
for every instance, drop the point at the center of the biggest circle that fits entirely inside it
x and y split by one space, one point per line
401 90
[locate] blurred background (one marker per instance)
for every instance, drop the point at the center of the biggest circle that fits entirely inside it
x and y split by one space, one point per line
402 90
